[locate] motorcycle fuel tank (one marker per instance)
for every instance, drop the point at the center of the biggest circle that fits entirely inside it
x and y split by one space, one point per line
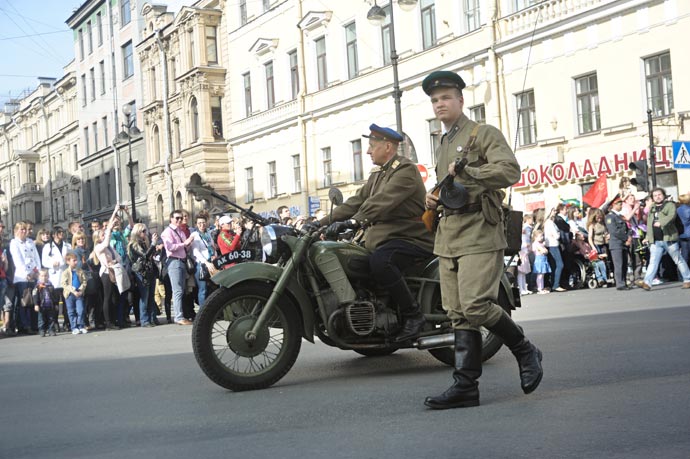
353 258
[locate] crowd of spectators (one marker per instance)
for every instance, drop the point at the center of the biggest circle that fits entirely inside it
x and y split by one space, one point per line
118 273
623 243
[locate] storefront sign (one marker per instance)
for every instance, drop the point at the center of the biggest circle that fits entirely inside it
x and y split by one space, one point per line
560 173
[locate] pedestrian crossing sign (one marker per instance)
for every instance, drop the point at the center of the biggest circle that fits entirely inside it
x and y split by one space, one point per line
681 154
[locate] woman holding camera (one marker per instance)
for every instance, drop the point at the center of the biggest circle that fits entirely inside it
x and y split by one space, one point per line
27 262
140 253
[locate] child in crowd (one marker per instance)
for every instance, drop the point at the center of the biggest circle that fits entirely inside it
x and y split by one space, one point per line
524 267
45 303
73 284
541 262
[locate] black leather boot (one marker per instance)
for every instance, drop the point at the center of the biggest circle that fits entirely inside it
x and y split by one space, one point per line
527 354
413 319
468 368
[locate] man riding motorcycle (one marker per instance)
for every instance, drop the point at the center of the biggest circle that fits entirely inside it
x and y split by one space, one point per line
389 208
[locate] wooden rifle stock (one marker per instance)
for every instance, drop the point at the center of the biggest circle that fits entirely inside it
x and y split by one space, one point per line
430 216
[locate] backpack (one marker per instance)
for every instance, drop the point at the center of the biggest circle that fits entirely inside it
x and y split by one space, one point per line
679 225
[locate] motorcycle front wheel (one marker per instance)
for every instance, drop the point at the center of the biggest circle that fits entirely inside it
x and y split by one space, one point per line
222 350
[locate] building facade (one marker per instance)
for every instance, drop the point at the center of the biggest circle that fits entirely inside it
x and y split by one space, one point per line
39 144
183 58
109 77
568 82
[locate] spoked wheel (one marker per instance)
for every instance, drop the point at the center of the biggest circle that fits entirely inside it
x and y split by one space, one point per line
490 342
223 350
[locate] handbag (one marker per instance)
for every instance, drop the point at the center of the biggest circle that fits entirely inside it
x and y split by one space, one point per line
592 255
190 263
111 275
27 300
204 274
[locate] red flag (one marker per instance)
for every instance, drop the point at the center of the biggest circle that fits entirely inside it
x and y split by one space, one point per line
597 195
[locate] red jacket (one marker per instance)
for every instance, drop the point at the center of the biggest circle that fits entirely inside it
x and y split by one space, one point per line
227 242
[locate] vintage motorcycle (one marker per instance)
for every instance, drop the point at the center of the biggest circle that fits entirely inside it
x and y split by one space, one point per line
249 332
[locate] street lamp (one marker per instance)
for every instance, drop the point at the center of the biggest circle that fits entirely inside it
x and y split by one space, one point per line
130 129
376 16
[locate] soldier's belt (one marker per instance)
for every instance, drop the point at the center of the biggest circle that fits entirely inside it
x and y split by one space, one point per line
466 209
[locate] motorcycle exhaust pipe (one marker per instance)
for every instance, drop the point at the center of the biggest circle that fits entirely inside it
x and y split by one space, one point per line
435 342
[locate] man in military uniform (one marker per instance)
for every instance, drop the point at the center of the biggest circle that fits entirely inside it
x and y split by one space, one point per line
470 241
389 207
621 238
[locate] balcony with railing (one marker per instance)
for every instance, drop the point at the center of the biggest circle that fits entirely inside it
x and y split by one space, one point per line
545 12
264 119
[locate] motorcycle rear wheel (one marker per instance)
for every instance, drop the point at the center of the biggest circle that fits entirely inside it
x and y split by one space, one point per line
490 342
226 357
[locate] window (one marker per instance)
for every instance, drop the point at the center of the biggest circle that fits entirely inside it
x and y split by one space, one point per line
357 170
471 12
657 71
97 194
249 180
386 35
101 67
80 34
217 116
99 28
270 90
351 50
104 123
32 173
522 4
527 127
87 196
127 61
211 45
194 112
243 14
192 44
106 179
84 94
587 93
296 174
154 86
94 126
156 145
125 13
178 137
89 36
294 74
435 134
321 62
87 150
327 171
272 180
478 114
92 76
135 173
75 153
428 24
247 94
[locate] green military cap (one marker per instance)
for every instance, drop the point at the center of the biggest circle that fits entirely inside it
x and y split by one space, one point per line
442 79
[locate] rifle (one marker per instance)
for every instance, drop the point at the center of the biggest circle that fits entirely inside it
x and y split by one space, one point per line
430 217
204 192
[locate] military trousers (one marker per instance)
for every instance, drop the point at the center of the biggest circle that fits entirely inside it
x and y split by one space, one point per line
469 289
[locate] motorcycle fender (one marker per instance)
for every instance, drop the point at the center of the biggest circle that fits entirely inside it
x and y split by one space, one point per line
254 271
426 295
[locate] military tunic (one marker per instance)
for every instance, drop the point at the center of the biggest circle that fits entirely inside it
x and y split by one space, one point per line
389 206
470 245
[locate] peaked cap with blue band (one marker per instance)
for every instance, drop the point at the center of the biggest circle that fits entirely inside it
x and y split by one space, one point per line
382 133
442 79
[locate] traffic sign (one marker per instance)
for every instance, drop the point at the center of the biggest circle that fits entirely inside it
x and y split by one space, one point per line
423 171
681 154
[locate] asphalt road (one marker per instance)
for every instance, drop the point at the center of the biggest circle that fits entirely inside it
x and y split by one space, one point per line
616 385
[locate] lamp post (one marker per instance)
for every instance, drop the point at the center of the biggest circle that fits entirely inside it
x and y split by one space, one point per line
376 16
129 129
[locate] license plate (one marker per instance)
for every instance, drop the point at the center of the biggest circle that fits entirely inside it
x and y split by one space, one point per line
233 257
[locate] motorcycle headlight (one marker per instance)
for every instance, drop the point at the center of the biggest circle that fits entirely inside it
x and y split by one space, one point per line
270 240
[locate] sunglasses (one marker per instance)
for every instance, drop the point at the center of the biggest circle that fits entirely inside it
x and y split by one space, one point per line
144 231
177 218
